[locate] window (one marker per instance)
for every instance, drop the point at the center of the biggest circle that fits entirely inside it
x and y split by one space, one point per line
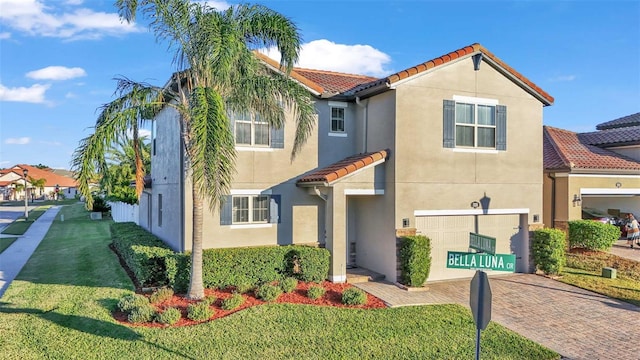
250 209
252 130
337 119
474 125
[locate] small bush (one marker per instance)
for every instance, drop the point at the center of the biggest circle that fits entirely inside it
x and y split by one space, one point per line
142 314
315 292
100 205
549 250
288 284
268 292
308 263
161 295
132 301
354 296
199 311
415 260
210 300
243 287
592 235
169 316
232 302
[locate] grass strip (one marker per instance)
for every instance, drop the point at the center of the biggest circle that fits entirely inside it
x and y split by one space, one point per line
59 307
21 225
6 242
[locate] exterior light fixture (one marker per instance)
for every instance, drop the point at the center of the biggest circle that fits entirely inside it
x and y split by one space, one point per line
577 201
26 195
618 185
475 204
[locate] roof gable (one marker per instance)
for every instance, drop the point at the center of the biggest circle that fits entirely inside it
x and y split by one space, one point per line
563 150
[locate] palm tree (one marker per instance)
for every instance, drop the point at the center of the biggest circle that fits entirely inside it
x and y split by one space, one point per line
217 72
38 183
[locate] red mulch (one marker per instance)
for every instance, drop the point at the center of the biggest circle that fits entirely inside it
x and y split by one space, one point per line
332 297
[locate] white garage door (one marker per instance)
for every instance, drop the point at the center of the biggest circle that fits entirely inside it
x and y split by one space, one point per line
451 233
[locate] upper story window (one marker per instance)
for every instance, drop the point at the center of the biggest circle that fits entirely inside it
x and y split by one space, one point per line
250 130
337 119
474 123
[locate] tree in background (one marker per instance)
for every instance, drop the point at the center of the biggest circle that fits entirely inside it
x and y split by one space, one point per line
120 170
38 184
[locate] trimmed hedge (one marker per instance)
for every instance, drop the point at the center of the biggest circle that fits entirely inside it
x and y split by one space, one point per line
592 235
415 260
549 250
154 263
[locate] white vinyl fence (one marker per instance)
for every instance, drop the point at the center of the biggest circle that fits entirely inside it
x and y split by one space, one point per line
123 212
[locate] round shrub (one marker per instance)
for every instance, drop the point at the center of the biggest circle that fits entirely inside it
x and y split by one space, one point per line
232 302
142 314
288 284
199 311
209 299
161 295
354 296
315 292
592 235
268 292
169 316
243 287
129 302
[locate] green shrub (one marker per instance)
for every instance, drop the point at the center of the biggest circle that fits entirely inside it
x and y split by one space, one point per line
268 292
161 295
169 317
307 263
415 260
354 296
132 301
199 311
548 249
142 314
592 235
232 302
243 288
288 284
99 204
315 292
211 299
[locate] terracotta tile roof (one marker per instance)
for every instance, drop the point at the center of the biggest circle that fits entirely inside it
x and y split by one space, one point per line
613 136
340 169
334 82
51 178
625 121
464 52
563 150
321 81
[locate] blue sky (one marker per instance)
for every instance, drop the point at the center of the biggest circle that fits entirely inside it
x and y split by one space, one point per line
58 58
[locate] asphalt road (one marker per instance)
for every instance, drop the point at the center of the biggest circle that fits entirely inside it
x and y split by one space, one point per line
9 213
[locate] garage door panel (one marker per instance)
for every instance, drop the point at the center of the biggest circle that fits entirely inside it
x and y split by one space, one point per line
451 233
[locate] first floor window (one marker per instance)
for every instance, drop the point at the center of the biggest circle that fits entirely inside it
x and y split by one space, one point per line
250 209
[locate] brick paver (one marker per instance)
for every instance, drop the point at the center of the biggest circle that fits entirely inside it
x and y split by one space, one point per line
576 323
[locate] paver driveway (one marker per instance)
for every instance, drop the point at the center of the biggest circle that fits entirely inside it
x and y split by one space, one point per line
576 323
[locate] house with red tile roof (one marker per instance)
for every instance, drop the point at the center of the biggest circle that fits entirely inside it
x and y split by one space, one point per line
593 172
448 147
66 186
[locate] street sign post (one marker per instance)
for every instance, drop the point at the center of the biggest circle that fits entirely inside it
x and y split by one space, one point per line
481 261
480 303
482 243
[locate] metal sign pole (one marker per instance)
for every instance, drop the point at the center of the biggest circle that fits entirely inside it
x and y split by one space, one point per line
477 343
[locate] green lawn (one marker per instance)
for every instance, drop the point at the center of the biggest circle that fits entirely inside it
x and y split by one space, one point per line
21 225
6 242
59 307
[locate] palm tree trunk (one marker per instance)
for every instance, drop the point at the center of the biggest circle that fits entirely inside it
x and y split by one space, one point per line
139 165
196 288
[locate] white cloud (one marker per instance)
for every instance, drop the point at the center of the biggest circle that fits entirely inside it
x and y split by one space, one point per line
5 35
33 94
18 141
35 18
563 78
70 95
57 73
327 55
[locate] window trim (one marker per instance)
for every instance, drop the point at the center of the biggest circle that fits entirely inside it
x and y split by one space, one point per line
476 126
272 208
449 124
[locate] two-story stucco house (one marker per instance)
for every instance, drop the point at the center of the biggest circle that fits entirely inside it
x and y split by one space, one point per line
444 148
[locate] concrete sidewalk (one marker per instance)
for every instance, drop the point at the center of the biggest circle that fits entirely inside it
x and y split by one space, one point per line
16 256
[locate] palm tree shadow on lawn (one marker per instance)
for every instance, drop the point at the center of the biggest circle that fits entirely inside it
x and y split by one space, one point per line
88 325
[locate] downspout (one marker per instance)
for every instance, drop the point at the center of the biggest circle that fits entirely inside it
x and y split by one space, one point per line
553 199
365 122
320 195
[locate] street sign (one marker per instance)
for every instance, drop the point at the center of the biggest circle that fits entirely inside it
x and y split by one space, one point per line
480 299
481 261
482 243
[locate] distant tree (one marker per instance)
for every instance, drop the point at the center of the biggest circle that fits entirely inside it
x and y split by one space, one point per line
40 166
38 183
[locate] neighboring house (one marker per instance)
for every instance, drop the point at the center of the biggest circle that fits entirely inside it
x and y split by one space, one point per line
66 186
444 148
590 171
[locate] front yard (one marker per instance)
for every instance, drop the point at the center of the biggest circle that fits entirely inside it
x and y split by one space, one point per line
60 306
